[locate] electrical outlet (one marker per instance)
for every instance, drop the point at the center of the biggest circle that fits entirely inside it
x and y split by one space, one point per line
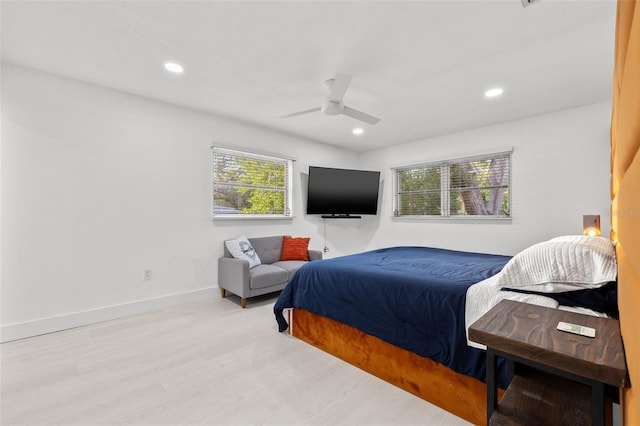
148 274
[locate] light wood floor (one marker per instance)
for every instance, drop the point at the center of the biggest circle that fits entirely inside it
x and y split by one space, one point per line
204 363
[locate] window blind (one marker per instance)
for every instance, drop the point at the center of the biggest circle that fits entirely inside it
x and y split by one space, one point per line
247 184
465 187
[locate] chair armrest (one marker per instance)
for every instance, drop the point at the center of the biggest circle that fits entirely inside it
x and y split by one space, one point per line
233 275
315 255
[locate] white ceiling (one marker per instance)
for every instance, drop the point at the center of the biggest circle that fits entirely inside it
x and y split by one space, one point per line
421 66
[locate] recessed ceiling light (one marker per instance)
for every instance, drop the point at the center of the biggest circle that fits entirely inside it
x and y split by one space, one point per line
358 131
492 93
173 67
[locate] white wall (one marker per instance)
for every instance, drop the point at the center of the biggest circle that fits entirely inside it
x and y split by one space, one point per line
99 185
560 172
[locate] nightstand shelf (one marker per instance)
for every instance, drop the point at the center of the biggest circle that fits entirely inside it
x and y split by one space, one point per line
544 399
559 377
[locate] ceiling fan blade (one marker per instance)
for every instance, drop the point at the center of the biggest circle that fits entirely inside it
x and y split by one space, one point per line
359 115
307 111
339 88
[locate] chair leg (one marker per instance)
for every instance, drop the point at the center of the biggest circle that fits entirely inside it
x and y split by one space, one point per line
243 302
223 293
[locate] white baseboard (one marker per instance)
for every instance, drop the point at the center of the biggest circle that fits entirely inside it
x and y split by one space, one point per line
76 319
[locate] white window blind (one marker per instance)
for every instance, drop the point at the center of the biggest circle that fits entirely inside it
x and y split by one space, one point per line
465 187
251 185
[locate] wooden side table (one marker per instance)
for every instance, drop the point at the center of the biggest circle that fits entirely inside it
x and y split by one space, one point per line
557 375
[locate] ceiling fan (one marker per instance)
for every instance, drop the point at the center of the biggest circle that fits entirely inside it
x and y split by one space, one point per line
333 104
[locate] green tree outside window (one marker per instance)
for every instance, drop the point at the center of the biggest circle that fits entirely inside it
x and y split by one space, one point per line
250 185
478 187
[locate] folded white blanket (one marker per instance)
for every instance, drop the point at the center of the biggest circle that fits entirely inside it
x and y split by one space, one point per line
486 294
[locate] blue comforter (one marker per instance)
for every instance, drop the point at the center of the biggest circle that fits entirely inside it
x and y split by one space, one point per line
411 297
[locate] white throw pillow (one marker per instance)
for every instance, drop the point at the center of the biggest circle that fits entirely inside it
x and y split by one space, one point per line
562 264
241 248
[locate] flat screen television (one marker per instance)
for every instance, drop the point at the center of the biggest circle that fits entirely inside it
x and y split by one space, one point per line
342 193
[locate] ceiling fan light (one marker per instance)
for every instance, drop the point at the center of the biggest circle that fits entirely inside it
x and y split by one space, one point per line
358 131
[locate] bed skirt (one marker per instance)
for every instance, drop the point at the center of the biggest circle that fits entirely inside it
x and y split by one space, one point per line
461 395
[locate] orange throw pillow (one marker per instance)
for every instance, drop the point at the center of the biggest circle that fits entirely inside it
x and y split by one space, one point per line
295 248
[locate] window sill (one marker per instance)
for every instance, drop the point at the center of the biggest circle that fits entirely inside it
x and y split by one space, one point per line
251 217
457 219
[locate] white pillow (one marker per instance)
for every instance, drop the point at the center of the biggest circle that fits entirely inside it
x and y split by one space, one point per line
562 264
241 248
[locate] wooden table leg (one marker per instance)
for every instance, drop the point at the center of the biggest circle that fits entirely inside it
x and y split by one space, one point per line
492 385
598 403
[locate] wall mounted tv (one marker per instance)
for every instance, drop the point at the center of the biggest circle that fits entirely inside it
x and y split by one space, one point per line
342 193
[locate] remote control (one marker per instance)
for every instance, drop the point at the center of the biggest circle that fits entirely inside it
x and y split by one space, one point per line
577 329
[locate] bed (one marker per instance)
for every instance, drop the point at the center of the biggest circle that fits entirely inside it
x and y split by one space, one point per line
411 297
401 313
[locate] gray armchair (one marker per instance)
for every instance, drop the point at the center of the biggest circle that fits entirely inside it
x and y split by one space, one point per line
235 276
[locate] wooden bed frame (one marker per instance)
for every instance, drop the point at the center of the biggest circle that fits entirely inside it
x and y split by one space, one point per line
461 395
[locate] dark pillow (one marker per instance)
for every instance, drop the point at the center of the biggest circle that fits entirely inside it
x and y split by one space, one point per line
601 299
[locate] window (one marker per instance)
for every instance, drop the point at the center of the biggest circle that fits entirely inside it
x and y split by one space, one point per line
461 188
251 185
